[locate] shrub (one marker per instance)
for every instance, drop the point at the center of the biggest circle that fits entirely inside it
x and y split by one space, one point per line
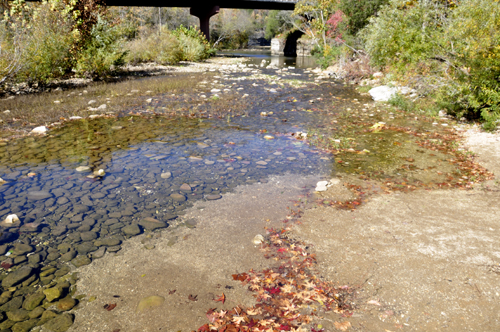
194 45
41 38
456 44
359 12
161 48
102 53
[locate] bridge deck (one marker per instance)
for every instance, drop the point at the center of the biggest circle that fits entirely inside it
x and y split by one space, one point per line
236 4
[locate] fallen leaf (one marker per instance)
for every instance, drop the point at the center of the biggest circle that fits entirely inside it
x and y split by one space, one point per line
221 298
171 292
193 298
109 307
342 326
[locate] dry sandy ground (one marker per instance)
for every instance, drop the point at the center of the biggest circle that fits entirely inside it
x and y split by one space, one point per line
200 263
422 261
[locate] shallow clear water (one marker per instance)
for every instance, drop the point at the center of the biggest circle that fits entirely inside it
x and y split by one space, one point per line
256 58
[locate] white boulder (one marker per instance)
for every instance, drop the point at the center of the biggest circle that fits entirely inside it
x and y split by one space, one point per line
40 130
321 186
382 93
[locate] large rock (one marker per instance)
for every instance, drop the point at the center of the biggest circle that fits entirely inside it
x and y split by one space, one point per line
52 293
33 301
150 302
24 326
21 249
382 93
17 276
66 304
60 323
18 315
152 224
131 230
81 261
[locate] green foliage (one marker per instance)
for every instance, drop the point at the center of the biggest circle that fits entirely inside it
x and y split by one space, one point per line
103 51
41 38
456 45
359 12
326 56
163 48
193 43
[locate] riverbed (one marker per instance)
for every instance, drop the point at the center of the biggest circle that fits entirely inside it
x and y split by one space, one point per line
172 175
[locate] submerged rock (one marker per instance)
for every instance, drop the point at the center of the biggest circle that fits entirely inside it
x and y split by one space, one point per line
60 323
150 302
17 276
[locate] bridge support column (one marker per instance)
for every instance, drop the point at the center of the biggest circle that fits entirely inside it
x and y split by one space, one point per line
204 13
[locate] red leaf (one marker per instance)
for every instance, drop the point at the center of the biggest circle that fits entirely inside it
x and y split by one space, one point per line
221 298
110 307
240 277
204 328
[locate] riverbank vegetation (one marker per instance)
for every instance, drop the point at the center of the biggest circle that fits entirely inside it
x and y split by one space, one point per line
448 50
55 39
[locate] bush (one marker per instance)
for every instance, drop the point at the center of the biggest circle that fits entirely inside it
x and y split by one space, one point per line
457 45
359 12
41 39
194 45
163 48
103 52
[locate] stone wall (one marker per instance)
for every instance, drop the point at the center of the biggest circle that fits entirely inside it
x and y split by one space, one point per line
304 47
277 46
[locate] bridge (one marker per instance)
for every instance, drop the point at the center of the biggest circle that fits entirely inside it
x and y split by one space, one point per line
206 9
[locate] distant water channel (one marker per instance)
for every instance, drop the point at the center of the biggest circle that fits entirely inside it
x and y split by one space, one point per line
256 56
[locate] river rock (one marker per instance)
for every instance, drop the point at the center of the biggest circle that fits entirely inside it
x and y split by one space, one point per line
40 130
61 323
38 195
21 249
186 187
88 236
166 175
81 261
85 248
98 253
59 230
213 197
6 325
83 169
321 186
150 302
108 242
18 315
17 276
68 256
131 230
382 93
24 326
13 304
37 312
32 301
152 224
46 316
52 293
66 304
178 197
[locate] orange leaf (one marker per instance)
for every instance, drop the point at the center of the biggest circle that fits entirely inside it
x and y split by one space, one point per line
221 298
